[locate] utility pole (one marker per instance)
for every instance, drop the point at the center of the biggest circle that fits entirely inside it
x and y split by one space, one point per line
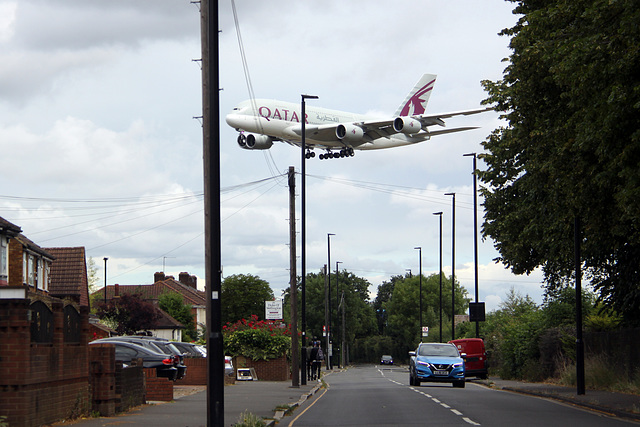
579 342
326 313
211 161
293 285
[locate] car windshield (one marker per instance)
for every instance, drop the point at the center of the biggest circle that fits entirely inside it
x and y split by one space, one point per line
438 350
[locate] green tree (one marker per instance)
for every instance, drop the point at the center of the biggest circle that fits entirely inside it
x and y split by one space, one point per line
242 296
571 147
360 318
403 309
173 304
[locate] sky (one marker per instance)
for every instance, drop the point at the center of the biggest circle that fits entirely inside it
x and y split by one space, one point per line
101 144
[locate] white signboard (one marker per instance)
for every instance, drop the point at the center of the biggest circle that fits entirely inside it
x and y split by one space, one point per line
425 331
273 310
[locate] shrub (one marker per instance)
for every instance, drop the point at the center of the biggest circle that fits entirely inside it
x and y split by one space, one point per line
258 340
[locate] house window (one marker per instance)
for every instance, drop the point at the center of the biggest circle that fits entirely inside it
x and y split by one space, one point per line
4 277
45 275
25 265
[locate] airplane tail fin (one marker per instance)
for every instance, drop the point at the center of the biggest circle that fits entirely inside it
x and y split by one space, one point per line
416 102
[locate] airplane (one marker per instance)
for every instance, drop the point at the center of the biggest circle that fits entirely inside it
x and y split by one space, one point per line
261 122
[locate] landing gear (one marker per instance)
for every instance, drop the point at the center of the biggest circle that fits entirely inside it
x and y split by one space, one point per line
345 152
310 154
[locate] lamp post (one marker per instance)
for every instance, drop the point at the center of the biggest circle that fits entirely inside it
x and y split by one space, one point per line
453 265
328 317
303 146
419 248
337 304
475 231
440 215
105 280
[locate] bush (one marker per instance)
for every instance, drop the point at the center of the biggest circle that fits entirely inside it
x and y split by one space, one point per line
257 340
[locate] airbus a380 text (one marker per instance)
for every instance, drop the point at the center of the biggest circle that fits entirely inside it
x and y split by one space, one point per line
261 122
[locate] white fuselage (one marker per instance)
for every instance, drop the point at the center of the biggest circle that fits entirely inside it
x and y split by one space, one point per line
281 120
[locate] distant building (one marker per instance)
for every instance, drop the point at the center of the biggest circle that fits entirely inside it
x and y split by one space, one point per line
186 287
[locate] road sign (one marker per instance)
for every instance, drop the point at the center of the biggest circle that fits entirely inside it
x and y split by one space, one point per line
273 310
425 331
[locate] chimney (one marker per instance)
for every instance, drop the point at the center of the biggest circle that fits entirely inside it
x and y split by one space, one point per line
158 276
188 280
116 291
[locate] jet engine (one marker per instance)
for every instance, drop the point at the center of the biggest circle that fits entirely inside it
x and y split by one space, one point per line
252 141
406 125
349 132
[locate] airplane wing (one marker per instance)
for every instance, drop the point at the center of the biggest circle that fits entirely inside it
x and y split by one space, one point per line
359 133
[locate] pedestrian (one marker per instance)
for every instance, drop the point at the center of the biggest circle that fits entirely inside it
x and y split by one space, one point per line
313 354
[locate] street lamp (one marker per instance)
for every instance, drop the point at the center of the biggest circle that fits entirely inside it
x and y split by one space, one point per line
453 265
105 280
303 146
328 316
440 215
475 231
337 303
419 248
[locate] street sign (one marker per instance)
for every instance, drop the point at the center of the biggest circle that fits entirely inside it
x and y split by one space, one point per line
425 331
273 310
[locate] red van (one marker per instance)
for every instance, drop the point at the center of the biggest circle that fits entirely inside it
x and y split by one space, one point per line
476 360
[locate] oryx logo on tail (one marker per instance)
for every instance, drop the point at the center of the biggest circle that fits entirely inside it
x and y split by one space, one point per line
416 102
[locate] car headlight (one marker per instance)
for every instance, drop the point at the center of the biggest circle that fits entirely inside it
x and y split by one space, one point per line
423 363
457 365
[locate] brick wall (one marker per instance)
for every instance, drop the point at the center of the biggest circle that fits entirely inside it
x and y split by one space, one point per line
266 370
158 389
41 383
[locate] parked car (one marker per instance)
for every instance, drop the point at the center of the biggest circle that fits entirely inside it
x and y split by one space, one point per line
190 349
157 346
126 351
435 362
475 362
386 360
228 365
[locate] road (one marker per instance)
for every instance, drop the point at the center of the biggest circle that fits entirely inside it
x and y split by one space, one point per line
381 396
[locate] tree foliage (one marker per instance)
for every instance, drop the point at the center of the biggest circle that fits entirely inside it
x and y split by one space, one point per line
244 295
571 148
403 309
173 304
128 314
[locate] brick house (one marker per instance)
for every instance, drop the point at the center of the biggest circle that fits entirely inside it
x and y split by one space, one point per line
68 274
185 286
44 376
7 232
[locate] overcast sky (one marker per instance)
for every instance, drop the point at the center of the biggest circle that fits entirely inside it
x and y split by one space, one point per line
100 147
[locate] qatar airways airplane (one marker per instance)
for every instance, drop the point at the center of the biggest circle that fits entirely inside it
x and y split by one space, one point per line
261 122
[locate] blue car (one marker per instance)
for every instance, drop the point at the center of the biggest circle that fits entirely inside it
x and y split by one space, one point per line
433 362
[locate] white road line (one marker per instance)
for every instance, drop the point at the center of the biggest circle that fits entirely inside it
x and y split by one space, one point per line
444 405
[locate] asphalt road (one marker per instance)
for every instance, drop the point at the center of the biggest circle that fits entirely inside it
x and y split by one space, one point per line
381 396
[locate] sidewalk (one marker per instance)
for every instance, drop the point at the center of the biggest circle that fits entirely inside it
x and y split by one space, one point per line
260 398
619 404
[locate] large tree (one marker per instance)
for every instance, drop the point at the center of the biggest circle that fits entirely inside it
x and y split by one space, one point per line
571 147
243 295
